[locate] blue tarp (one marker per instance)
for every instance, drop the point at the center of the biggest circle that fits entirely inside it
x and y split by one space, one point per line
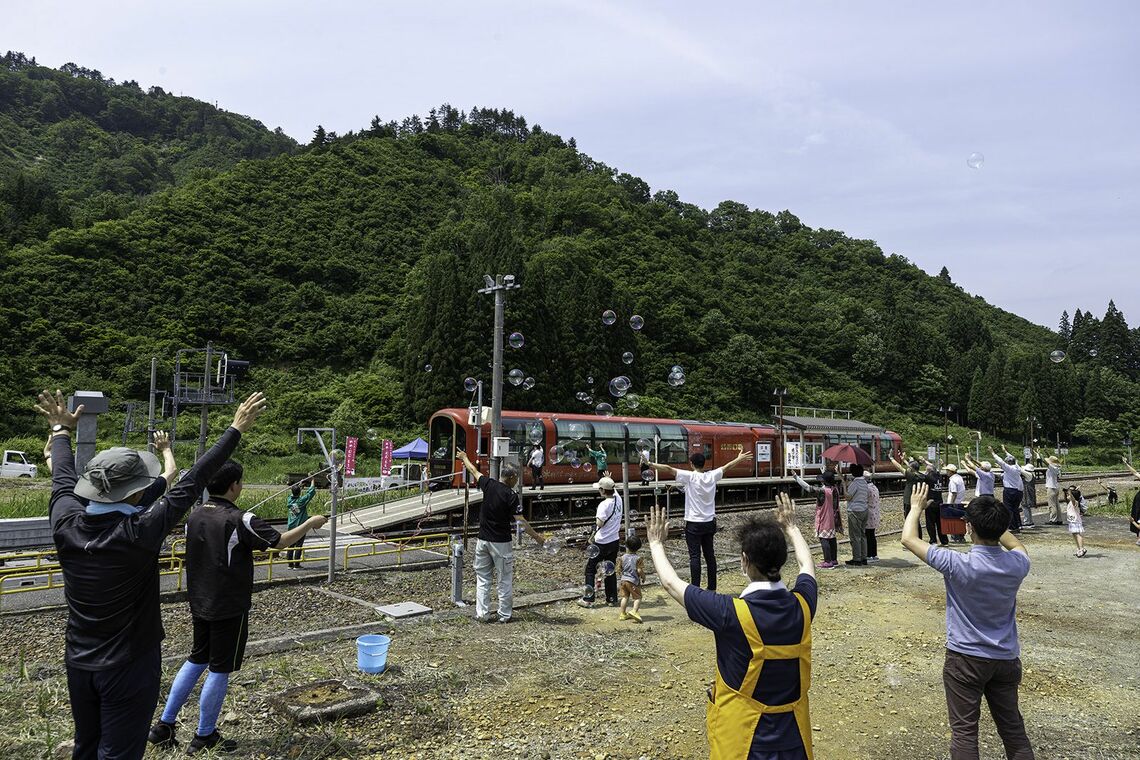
417 449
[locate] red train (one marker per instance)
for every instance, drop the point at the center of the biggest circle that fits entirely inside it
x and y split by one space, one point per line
672 443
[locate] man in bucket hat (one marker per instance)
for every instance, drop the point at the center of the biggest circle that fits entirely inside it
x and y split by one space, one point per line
108 549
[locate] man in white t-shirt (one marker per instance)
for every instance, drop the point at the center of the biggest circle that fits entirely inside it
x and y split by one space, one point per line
954 505
537 459
607 524
700 510
1053 488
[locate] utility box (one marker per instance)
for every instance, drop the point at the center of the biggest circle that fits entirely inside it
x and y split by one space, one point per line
478 415
94 402
500 447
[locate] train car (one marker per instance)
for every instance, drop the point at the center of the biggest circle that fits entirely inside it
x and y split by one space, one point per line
672 442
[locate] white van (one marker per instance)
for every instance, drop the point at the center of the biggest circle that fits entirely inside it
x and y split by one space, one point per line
16 465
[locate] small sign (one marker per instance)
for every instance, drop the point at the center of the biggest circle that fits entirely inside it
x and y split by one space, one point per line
763 452
386 457
932 453
350 455
1028 454
1064 451
793 454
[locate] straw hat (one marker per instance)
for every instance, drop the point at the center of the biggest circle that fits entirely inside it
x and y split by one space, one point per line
1052 460
950 468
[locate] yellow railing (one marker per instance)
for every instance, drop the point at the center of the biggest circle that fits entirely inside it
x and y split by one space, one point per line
46 574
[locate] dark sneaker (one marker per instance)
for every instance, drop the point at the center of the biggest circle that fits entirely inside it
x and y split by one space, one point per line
488 618
162 735
854 562
213 741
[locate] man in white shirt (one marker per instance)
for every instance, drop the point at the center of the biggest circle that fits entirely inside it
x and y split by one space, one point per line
955 503
607 524
700 510
1053 488
537 459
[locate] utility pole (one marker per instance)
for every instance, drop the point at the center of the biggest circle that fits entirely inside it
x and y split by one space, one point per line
946 409
498 285
780 393
334 478
204 428
150 405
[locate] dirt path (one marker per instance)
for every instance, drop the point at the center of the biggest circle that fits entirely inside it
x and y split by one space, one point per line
565 682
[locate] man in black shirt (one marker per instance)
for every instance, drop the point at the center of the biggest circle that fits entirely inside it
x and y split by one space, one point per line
108 549
220 541
493 549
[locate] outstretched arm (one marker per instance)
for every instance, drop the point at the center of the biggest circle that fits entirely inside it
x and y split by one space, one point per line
658 533
538 537
469 467
169 466
1131 469
898 465
663 468
739 458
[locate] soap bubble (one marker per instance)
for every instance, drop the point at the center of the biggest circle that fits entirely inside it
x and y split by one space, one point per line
633 401
619 386
557 454
553 545
427 368
569 480
608 568
1093 352
566 527
627 357
592 551
576 430
893 676
636 322
528 383
604 410
575 462
581 395
590 380
677 368
676 379
643 445
516 376
630 533
589 399
1057 356
371 434
535 432
440 453
516 340
608 317
975 160
470 384
587 467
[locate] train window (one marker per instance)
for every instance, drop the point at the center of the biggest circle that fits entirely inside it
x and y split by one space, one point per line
635 431
674 447
441 438
813 454
886 448
610 437
515 429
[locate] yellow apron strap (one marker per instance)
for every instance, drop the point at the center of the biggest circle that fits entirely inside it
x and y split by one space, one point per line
756 664
801 709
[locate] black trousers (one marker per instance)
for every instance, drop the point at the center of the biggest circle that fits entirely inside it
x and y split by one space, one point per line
872 543
699 537
293 554
830 548
1011 498
607 552
934 524
113 708
536 477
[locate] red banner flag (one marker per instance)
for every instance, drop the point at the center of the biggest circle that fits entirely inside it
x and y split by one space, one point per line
386 458
350 456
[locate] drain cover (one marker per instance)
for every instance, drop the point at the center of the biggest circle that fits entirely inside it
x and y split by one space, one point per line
404 610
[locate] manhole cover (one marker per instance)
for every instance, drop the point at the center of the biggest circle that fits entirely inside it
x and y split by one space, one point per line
326 700
404 610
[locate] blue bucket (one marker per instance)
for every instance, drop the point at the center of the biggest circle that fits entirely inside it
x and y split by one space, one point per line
372 653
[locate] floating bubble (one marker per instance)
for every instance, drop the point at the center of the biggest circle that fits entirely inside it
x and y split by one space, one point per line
427 368
553 545
643 445
576 430
627 357
633 514
516 340
587 467
636 322
1057 356
593 551
569 480
565 526
575 462
1093 352
633 401
581 395
589 399
677 368
893 676
528 383
535 432
590 380
470 384
557 454
371 434
676 379
618 387
604 410
630 533
975 160
516 376
628 383
608 317
608 568
440 453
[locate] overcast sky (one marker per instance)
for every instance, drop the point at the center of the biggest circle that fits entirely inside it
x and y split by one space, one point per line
856 116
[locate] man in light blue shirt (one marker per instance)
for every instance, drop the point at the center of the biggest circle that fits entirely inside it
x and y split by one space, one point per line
982 650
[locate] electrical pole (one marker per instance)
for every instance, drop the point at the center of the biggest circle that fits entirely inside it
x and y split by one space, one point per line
498 285
780 393
204 428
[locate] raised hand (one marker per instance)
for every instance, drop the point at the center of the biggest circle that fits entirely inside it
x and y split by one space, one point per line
55 409
249 411
161 440
918 496
657 529
785 510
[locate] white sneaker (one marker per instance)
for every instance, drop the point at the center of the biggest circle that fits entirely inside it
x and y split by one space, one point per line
872 559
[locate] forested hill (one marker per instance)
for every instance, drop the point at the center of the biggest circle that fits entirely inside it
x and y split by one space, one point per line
76 148
345 270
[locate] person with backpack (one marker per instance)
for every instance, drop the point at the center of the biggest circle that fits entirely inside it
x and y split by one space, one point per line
607 523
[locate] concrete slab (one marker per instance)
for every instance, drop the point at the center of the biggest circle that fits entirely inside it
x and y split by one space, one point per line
324 701
404 610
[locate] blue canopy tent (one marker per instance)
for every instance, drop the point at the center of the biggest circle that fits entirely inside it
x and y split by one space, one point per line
417 449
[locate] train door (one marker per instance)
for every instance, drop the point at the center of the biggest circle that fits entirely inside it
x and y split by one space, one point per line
444 436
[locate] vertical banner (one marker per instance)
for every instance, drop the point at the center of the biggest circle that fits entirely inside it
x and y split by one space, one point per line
350 456
386 458
793 455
